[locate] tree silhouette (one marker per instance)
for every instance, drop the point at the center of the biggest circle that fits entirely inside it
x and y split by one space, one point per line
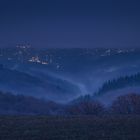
128 104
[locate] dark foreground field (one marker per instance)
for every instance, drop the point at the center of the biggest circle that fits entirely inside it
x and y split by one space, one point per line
72 128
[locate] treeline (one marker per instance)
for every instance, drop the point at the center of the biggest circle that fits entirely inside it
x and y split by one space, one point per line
123 105
19 104
23 105
121 82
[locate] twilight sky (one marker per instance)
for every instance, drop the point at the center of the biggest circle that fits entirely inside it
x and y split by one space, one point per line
70 23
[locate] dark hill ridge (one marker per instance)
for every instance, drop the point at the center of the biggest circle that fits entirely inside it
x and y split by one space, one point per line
114 88
18 78
19 104
45 86
119 83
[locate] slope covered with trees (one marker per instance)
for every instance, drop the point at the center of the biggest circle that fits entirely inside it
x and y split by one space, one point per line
121 82
19 104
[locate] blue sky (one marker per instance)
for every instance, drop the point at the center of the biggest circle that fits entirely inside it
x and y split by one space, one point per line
70 23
